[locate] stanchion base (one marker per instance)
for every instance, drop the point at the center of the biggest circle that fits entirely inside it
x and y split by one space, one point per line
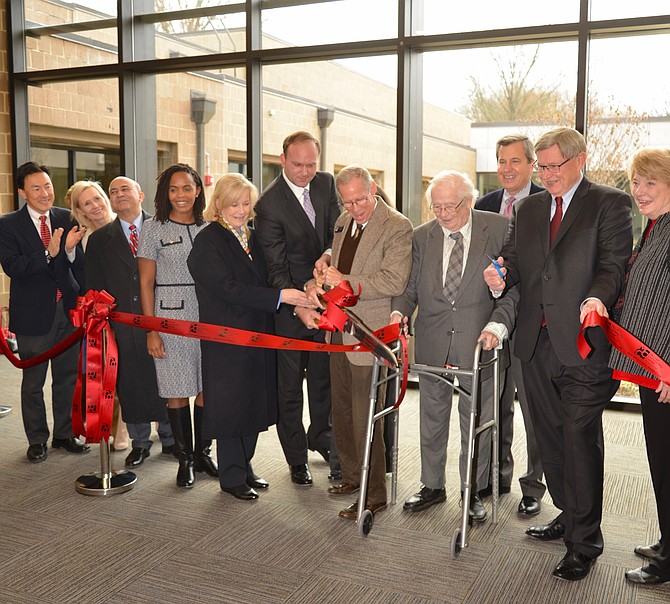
120 481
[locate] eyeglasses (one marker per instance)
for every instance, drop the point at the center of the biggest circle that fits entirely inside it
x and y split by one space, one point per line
552 168
356 202
447 209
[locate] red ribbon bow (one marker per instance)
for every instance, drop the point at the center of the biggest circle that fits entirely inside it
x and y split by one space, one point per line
98 375
333 318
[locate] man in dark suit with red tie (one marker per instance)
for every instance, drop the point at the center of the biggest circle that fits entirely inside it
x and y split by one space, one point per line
515 155
111 264
38 251
295 218
567 249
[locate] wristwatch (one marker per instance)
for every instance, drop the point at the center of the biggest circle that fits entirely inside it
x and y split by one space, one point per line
48 256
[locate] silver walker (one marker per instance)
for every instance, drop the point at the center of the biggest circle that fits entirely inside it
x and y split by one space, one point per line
365 517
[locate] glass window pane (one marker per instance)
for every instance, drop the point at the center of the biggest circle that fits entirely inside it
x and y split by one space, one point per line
626 111
200 36
363 128
200 121
440 17
618 9
74 127
61 35
491 92
347 21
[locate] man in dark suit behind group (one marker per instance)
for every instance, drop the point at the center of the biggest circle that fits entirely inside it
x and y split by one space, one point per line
515 155
567 249
111 265
38 251
295 217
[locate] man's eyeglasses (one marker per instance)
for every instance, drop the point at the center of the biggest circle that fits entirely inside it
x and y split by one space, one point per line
447 209
356 202
552 168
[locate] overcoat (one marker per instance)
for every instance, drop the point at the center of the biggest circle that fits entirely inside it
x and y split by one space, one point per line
239 382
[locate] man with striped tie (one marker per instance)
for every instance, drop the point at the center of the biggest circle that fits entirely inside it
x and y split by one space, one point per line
111 264
38 252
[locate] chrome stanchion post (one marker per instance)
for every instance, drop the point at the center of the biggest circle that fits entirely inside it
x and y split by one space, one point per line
107 481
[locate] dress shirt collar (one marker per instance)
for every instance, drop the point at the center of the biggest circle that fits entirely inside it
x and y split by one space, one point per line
567 197
297 191
525 192
126 225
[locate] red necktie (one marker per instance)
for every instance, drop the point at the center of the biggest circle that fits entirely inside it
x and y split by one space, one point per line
556 220
134 239
45 234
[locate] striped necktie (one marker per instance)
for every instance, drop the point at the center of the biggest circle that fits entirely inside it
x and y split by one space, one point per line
452 279
134 240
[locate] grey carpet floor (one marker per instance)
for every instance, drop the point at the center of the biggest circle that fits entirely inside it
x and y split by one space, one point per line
158 543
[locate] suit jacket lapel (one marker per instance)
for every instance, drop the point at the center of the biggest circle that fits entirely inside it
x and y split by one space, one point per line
28 229
574 209
119 244
371 233
435 249
478 238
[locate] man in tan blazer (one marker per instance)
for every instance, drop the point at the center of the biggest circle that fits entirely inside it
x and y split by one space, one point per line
372 247
449 323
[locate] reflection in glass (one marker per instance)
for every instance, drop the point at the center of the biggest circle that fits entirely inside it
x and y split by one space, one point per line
440 17
330 22
620 9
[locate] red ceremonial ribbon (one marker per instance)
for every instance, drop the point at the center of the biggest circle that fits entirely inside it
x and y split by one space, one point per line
99 373
43 357
627 344
333 318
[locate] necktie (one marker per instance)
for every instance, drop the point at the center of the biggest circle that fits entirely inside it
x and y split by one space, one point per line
134 239
508 207
358 231
452 279
308 207
556 220
45 234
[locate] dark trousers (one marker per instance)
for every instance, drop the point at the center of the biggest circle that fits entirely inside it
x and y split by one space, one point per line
351 404
567 405
234 457
656 421
292 367
63 375
531 481
140 434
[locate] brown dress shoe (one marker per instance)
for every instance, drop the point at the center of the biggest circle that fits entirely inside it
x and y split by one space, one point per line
351 512
343 488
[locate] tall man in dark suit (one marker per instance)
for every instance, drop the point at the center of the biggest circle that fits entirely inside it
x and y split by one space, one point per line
294 223
567 249
372 248
450 321
39 258
516 157
111 265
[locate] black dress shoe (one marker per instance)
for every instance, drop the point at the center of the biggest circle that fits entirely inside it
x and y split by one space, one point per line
547 532
644 577
477 511
648 551
168 450
424 499
71 445
325 453
335 475
243 491
37 453
573 567
301 474
136 457
256 482
529 506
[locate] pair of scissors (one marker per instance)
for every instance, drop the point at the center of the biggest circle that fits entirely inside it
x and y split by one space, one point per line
496 265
